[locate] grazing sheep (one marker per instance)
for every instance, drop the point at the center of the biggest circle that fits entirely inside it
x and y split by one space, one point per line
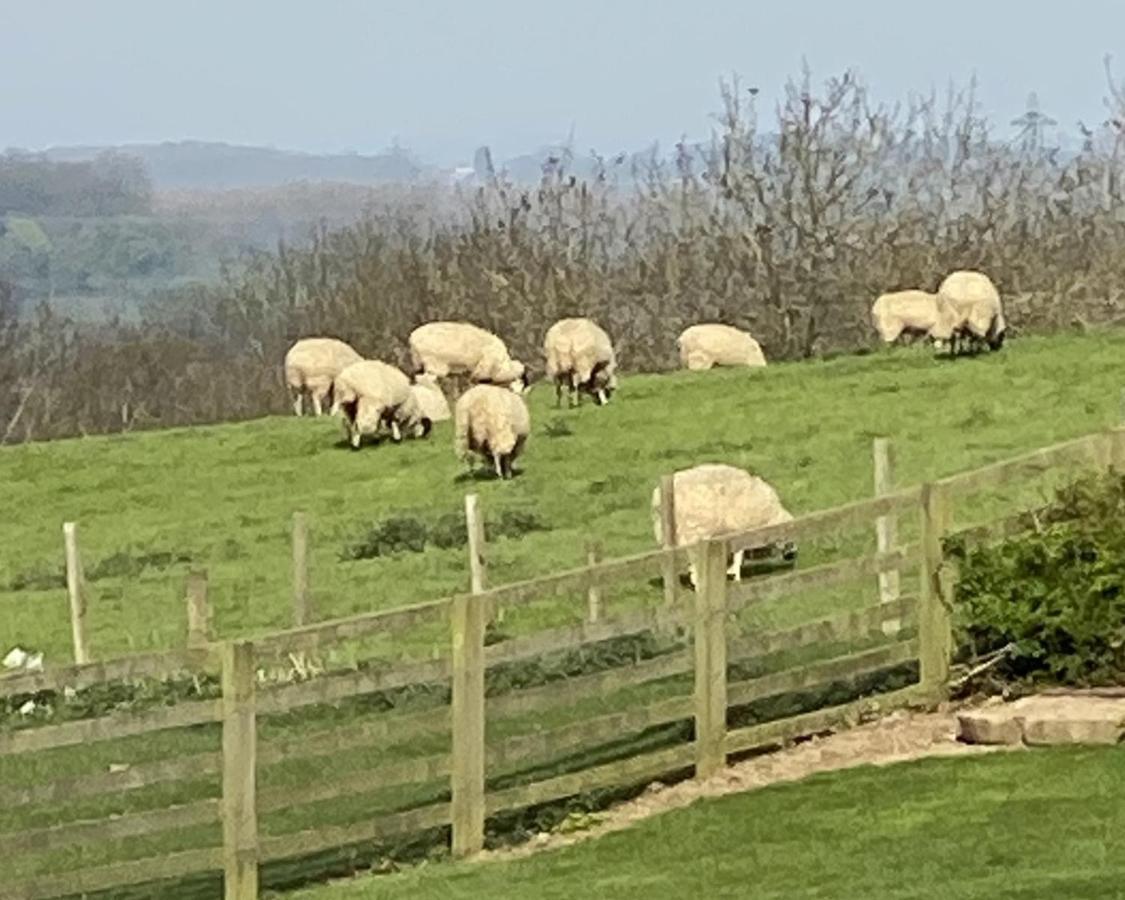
310 367
371 394
904 313
431 401
580 355
458 349
715 500
705 346
494 422
969 311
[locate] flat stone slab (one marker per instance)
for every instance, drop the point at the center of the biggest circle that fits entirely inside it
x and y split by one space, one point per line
1078 717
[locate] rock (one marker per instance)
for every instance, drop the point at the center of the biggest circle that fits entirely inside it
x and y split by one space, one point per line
989 726
1046 732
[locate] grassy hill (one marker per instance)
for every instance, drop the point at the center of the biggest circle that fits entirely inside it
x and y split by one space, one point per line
152 504
1038 826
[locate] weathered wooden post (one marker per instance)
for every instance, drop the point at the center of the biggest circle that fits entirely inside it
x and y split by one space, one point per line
886 527
198 609
594 591
709 639
935 612
239 803
302 602
1117 452
478 564
668 538
76 590
467 619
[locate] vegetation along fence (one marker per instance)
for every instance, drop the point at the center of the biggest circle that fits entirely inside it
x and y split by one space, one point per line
603 678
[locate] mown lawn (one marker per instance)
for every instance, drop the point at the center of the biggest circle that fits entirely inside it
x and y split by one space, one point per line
1042 825
151 504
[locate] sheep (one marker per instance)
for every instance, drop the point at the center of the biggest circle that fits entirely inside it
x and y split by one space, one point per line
580 355
431 401
969 309
713 344
715 500
494 422
911 313
371 393
444 349
311 364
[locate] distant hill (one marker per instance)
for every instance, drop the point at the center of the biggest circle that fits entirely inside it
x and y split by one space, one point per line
209 166
191 165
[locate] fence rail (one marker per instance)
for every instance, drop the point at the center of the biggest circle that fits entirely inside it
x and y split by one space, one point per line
691 682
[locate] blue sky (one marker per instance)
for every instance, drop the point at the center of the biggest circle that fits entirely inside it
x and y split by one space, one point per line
444 77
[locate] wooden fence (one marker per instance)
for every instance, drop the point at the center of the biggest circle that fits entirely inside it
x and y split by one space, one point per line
504 746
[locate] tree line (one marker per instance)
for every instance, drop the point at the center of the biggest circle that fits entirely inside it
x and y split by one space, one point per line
787 224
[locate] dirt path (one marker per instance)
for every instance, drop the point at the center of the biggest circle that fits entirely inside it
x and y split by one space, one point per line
895 738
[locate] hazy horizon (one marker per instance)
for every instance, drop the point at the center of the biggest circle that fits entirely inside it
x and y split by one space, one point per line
441 80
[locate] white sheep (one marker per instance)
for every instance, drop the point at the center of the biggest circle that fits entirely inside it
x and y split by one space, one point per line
459 349
714 500
911 313
494 422
580 355
713 344
370 394
311 364
969 310
431 401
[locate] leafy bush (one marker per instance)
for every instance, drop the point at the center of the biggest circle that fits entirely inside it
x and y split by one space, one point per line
398 534
409 534
1057 594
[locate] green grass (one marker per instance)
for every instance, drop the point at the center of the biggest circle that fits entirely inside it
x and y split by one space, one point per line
1042 825
222 496
152 504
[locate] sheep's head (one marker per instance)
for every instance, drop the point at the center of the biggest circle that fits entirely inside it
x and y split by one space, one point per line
514 374
604 385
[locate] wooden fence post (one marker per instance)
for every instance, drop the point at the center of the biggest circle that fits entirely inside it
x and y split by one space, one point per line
1117 449
935 619
239 803
198 609
668 538
594 591
709 639
302 603
467 778
886 527
76 590
474 525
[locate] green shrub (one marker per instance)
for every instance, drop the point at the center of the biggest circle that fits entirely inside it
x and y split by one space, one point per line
1057 593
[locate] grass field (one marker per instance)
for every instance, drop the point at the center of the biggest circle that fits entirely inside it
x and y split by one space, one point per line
151 504
1044 825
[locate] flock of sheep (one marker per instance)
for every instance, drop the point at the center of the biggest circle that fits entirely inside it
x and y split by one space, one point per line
491 417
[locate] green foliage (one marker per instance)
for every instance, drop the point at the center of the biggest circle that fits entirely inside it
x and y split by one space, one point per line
411 534
1057 593
111 184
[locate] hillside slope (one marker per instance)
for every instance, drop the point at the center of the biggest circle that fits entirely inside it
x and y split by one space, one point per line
222 496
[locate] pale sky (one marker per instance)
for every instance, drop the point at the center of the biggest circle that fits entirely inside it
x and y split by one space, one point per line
444 77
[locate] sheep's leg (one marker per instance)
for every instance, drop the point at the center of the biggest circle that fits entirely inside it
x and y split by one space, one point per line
298 405
356 437
396 432
558 393
602 398
736 566
693 575
497 465
317 408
